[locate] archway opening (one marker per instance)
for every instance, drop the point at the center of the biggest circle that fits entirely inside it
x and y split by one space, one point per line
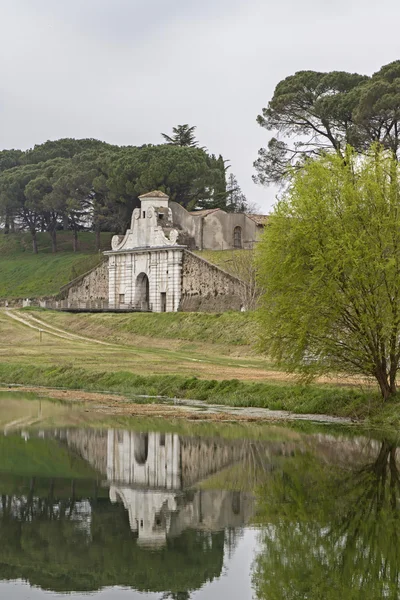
142 292
237 237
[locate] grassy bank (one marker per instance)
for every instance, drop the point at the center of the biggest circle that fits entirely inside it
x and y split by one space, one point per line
225 329
345 402
24 274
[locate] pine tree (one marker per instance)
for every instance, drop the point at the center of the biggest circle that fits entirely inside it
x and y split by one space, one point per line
182 135
236 201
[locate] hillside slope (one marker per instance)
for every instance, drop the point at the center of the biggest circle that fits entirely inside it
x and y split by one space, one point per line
27 275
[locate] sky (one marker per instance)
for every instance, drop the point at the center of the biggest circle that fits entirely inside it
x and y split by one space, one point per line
124 71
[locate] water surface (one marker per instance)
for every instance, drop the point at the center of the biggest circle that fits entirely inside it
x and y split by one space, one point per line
270 514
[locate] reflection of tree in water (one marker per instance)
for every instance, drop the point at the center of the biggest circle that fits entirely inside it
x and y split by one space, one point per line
84 545
330 533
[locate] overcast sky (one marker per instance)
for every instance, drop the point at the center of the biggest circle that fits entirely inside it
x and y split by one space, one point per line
125 70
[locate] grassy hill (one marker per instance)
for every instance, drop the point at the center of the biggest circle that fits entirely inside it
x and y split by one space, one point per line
24 274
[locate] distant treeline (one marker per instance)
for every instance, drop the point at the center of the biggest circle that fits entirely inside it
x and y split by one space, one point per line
91 185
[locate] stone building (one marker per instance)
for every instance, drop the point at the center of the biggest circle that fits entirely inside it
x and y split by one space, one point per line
152 266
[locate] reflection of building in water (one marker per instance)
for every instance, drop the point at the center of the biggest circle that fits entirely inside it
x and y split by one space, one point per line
164 464
166 460
144 459
148 473
155 515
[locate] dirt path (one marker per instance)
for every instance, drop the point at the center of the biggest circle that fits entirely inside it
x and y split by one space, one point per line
35 323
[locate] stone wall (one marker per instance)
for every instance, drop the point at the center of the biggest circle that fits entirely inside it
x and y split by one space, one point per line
207 288
90 289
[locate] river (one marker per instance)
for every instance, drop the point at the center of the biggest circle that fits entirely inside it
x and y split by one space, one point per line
157 510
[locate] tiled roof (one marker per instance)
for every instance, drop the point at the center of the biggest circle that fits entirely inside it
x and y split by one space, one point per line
204 213
155 194
259 219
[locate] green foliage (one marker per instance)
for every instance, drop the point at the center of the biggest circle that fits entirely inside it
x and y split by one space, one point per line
330 266
327 111
182 135
330 531
87 184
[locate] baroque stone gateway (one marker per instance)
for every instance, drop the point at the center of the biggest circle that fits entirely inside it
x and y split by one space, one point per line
152 267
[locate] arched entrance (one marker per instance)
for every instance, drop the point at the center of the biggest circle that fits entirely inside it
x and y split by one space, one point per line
142 292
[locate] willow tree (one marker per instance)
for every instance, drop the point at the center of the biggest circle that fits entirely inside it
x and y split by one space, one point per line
329 264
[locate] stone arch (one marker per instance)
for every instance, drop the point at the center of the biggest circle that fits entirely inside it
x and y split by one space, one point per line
237 237
141 447
142 292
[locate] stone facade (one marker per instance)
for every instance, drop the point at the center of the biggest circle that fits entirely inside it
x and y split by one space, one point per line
148 280
145 266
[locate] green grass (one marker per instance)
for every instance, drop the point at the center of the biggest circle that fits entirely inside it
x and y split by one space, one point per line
24 274
221 258
345 402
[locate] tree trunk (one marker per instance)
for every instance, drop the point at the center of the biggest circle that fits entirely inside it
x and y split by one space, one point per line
383 382
75 240
7 225
34 241
53 234
12 225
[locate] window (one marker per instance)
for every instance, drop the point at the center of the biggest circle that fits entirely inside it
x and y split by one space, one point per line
160 216
144 214
122 298
237 237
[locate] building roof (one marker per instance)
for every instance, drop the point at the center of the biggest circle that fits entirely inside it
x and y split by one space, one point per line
259 219
204 212
155 194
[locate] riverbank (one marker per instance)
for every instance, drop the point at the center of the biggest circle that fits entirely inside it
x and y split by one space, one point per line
192 410
345 402
212 361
